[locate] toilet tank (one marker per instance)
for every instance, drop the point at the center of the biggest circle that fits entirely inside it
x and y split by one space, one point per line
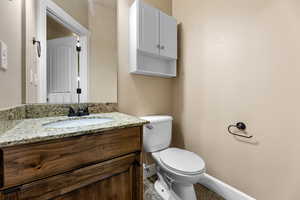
157 134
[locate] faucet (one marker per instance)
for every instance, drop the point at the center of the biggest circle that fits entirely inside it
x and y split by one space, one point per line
79 112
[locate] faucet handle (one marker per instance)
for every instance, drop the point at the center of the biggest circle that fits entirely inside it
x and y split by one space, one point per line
83 111
86 110
71 112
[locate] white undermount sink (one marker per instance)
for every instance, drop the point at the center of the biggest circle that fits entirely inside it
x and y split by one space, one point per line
73 123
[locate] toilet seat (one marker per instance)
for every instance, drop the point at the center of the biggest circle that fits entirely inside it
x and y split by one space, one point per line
182 161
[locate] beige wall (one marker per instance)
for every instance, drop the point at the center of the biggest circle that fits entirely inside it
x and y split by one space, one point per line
77 9
10 33
239 61
103 54
140 95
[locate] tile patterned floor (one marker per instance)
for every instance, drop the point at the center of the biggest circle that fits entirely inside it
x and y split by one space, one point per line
202 192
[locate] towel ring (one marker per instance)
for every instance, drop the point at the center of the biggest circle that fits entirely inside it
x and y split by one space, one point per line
241 126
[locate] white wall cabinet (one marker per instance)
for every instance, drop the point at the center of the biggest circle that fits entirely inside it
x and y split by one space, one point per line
153 41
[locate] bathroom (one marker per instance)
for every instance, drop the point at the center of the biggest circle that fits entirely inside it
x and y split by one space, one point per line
235 70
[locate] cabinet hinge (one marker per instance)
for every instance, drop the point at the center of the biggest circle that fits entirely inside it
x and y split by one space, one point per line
137 163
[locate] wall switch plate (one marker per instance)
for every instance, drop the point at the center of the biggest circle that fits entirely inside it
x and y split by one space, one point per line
3 56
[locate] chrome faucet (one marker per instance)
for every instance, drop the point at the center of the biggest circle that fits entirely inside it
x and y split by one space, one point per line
79 112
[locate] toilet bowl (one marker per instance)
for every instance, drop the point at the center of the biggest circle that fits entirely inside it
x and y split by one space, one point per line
178 169
182 169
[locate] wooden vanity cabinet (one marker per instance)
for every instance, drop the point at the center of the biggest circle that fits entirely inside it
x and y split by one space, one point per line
104 166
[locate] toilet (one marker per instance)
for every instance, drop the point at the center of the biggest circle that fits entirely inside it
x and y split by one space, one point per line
178 169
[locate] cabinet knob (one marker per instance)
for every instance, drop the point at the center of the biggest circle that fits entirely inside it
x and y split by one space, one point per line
158 46
162 47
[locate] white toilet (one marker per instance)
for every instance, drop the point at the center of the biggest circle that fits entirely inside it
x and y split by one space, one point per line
178 169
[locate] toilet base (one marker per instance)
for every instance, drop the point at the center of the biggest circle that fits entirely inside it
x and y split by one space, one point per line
178 192
185 192
164 192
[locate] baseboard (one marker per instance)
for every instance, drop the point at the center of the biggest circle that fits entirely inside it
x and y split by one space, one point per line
226 191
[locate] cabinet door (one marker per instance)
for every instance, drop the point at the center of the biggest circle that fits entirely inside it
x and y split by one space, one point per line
117 187
10 196
117 179
168 36
149 29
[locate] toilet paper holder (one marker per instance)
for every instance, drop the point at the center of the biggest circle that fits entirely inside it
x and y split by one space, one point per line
241 127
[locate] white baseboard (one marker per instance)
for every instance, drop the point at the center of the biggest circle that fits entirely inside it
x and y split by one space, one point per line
226 191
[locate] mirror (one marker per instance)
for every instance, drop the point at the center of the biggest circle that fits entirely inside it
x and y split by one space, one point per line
74 53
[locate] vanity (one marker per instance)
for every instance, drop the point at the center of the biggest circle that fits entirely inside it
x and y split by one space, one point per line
97 161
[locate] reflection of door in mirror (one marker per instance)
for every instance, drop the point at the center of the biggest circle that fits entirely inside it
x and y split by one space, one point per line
60 66
97 34
61 63
61 70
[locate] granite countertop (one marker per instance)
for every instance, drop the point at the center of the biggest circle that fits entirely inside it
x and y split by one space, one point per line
33 130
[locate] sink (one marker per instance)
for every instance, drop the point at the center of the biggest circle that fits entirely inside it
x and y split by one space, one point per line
73 123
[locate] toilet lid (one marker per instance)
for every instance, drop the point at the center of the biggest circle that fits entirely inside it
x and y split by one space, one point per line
182 161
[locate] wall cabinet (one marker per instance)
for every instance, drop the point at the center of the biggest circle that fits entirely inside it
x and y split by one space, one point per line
96 167
153 41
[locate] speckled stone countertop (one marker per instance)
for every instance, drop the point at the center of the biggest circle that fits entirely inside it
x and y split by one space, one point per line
33 130
10 117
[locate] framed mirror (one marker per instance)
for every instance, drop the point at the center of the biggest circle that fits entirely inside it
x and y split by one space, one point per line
72 56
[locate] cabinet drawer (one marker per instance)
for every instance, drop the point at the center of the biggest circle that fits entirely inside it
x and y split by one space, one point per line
26 163
106 180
